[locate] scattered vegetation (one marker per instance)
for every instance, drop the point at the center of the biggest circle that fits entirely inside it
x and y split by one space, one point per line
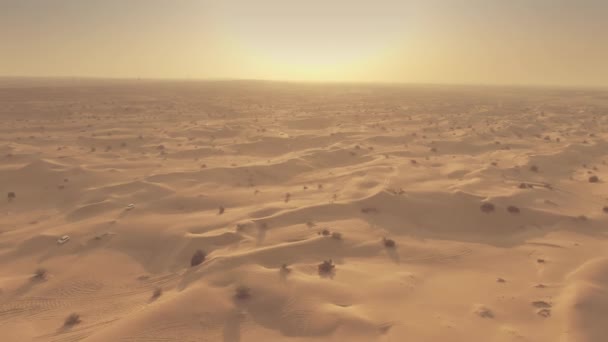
513 209
242 293
326 267
285 269
197 258
157 293
72 320
325 232
605 209
221 210
487 207
40 274
534 168
11 196
336 236
593 179
369 210
389 243
525 186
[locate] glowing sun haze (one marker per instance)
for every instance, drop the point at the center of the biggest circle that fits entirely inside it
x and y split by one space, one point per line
452 41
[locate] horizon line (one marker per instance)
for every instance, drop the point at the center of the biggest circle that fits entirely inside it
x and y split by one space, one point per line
352 82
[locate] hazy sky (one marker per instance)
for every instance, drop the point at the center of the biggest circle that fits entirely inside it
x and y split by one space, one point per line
432 41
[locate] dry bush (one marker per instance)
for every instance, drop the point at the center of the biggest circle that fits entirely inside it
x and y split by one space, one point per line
11 196
534 168
72 320
605 209
326 267
242 293
221 210
487 207
157 293
524 186
369 210
513 209
197 258
593 179
336 236
389 243
40 274
325 232
285 269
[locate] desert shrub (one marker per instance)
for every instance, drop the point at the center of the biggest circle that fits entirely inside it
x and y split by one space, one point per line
326 267
40 274
285 269
487 207
157 293
513 209
197 258
389 243
72 320
242 293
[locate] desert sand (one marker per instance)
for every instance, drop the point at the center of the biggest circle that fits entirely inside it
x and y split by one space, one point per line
444 213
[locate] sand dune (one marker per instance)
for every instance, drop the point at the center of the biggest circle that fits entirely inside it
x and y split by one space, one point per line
498 228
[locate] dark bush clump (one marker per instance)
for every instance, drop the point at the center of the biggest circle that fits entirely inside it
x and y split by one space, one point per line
513 209
197 258
242 293
157 293
487 207
389 243
72 320
40 274
326 267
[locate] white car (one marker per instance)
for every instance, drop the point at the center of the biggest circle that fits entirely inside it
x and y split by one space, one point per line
130 206
63 239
